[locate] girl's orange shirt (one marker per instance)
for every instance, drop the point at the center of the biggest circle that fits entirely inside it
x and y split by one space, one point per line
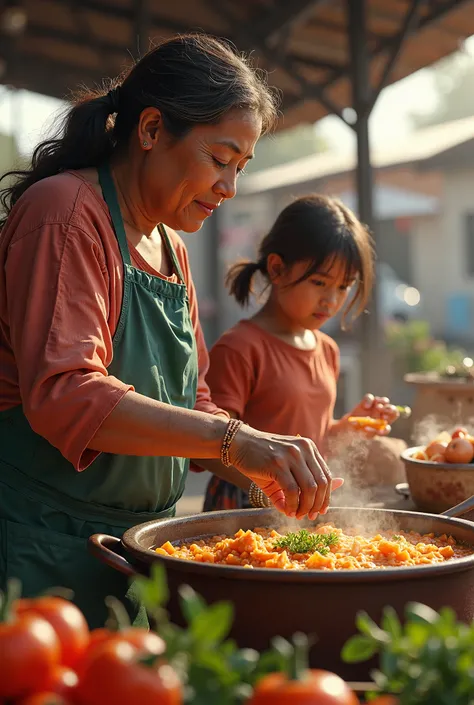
61 288
274 386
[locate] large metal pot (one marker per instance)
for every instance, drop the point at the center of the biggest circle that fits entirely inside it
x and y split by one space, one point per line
270 602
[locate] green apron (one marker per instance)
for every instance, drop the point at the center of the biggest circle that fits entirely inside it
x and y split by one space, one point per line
47 509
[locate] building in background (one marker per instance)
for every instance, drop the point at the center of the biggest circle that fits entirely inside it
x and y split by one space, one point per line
424 206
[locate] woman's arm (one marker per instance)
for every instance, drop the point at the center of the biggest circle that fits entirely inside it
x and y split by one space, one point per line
141 426
231 475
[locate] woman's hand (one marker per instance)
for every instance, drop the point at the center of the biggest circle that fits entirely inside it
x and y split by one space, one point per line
376 408
289 470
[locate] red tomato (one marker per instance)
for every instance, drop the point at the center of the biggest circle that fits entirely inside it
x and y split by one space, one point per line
66 619
145 641
114 675
459 432
30 651
459 451
317 688
64 682
44 698
385 700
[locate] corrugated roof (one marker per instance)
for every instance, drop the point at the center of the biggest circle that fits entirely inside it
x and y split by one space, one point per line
304 43
416 147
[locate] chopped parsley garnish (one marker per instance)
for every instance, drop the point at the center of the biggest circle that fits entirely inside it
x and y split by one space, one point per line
396 537
304 542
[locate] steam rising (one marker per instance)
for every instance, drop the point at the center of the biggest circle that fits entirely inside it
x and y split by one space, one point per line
347 457
429 428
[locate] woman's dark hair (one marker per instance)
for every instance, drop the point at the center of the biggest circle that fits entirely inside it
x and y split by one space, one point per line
192 79
316 229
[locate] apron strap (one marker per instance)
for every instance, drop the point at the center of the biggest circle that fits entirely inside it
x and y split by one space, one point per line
110 195
171 252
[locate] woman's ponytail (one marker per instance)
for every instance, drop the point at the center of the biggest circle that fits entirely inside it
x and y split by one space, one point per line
85 139
239 280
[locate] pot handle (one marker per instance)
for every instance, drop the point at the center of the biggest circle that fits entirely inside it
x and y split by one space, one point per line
460 509
104 547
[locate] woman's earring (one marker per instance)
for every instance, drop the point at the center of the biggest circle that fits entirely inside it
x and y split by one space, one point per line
145 143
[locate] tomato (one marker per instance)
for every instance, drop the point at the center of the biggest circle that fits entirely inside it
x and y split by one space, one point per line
64 682
459 432
114 675
66 619
459 451
144 641
43 698
317 688
30 651
385 700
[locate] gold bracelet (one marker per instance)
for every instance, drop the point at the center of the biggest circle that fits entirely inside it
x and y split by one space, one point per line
257 498
233 427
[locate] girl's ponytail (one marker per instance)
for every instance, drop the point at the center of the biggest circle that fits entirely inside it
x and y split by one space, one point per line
239 280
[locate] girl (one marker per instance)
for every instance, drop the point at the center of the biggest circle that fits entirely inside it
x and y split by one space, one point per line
278 371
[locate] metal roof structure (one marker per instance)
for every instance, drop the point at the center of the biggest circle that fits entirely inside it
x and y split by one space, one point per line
326 56
51 46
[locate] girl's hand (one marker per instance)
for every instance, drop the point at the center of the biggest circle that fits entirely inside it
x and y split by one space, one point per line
375 408
290 471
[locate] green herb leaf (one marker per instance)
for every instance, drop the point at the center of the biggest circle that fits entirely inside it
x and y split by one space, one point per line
192 604
422 613
359 648
305 542
367 626
391 624
153 591
212 625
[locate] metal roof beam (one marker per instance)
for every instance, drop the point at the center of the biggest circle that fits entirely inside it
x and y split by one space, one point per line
248 40
283 18
411 20
436 13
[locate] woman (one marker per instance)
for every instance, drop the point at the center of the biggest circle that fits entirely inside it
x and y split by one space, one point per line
102 360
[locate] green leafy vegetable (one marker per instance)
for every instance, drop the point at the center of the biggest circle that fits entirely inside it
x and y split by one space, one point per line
213 669
428 660
304 542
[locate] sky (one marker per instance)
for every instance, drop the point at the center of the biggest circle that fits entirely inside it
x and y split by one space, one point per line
29 116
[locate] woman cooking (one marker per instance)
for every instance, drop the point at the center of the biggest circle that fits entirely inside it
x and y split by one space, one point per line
102 359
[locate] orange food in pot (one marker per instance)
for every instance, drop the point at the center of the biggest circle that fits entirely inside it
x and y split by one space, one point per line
435 448
460 450
351 549
460 432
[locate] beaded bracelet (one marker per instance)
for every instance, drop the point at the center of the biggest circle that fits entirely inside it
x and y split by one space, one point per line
233 427
257 498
